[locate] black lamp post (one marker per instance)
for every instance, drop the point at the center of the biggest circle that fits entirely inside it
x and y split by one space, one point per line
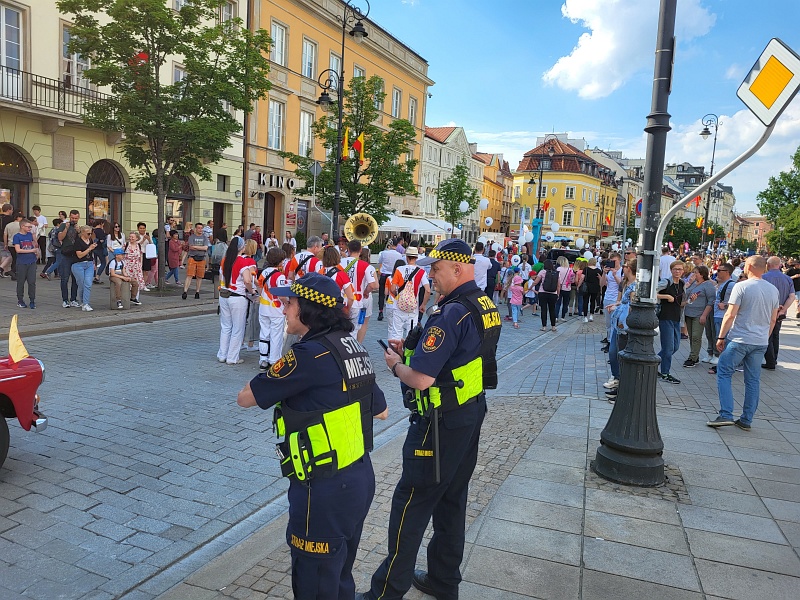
710 120
330 78
631 448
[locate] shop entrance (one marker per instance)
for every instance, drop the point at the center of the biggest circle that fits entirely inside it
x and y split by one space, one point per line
15 179
179 203
104 188
270 202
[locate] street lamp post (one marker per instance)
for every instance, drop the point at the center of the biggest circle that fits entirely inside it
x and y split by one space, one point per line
780 250
620 182
710 120
329 78
536 224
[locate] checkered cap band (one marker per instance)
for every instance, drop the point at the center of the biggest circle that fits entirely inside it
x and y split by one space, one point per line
314 295
448 255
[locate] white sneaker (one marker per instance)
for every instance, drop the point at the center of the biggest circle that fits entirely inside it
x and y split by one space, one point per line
74 304
591 318
65 304
585 319
714 360
86 308
611 384
706 359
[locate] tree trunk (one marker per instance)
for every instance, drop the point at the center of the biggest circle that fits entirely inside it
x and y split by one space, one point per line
162 238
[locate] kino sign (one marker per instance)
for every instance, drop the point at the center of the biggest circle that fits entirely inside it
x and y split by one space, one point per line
276 181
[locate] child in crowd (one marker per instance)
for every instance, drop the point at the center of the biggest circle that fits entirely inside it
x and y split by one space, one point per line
530 296
515 292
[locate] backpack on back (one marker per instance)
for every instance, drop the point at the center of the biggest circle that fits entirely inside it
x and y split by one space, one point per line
406 298
68 243
550 282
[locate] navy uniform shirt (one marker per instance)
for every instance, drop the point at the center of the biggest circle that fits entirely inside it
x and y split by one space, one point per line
449 339
307 378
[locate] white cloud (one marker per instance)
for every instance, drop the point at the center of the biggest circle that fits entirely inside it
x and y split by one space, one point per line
735 72
737 133
619 44
410 2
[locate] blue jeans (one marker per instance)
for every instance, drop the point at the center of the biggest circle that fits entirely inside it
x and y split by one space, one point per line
83 271
750 356
515 312
670 336
56 264
562 303
617 343
173 273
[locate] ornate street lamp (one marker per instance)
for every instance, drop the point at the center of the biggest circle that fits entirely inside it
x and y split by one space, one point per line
710 120
536 224
330 78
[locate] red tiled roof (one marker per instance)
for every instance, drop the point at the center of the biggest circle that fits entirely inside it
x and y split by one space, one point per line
440 134
565 158
484 157
505 169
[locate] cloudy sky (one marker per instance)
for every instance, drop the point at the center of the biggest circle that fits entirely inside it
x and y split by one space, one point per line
511 70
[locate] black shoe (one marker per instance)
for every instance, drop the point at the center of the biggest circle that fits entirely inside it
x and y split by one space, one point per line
767 367
740 425
611 393
689 363
380 315
197 295
183 295
720 422
604 341
422 582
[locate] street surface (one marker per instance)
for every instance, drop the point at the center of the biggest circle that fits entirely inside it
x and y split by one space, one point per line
151 481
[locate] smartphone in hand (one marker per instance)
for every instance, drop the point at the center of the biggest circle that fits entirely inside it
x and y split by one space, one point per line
384 345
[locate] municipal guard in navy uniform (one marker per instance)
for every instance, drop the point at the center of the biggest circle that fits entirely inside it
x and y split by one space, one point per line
444 375
324 396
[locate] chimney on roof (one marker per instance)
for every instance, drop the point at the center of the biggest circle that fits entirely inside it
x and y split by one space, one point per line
473 148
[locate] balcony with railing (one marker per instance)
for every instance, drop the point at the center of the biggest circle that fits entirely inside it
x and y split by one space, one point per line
51 95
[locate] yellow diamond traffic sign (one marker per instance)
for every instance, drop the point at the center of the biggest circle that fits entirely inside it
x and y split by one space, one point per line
772 82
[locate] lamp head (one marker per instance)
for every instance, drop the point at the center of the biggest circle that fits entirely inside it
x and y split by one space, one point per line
533 180
324 101
705 133
358 32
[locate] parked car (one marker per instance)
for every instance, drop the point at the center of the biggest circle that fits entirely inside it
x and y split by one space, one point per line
19 386
571 253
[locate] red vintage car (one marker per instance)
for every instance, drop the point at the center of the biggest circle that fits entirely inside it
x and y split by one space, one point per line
19 384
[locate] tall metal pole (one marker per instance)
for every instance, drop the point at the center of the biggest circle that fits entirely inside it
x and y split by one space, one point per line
631 448
337 193
625 220
712 120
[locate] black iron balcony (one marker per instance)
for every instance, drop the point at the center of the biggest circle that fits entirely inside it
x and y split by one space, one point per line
35 91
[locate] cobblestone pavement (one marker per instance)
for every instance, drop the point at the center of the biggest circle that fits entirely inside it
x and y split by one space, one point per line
508 431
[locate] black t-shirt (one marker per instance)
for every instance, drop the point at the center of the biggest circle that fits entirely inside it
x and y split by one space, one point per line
81 246
671 311
592 279
795 282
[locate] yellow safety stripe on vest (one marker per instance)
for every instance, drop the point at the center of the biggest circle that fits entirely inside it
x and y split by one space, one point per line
472 376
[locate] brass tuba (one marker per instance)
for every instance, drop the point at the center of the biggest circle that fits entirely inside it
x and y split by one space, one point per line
362 227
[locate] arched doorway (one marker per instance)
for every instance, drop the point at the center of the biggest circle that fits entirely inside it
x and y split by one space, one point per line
179 203
15 179
104 188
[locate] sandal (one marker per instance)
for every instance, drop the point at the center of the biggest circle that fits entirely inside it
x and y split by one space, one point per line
553 329
544 329
516 325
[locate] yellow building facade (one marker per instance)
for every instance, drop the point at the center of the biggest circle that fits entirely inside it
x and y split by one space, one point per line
574 191
493 190
307 39
49 158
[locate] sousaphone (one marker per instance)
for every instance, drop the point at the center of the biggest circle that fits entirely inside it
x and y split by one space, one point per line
362 227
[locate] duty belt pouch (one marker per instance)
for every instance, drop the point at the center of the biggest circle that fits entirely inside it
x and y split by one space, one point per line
418 453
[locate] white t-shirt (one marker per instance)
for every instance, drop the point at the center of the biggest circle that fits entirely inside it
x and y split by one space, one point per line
612 287
406 270
293 242
664 262
41 222
482 265
386 260
367 276
757 299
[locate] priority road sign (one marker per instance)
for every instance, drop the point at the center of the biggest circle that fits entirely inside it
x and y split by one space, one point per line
772 82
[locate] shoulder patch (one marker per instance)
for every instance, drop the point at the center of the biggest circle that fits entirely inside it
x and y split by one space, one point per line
284 367
433 339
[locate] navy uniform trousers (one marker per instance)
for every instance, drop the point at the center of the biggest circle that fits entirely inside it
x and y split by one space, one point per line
325 523
417 498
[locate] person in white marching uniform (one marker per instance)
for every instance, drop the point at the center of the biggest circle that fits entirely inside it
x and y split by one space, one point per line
270 310
237 278
362 275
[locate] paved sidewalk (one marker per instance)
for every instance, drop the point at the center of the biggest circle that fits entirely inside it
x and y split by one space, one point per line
541 524
50 317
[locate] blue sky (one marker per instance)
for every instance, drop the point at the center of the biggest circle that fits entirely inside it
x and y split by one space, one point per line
510 70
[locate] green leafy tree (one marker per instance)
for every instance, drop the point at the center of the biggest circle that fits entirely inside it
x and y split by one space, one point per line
782 196
682 230
364 187
170 129
780 204
744 245
454 190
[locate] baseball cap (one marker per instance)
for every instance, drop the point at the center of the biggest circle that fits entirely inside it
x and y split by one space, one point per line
454 250
311 286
